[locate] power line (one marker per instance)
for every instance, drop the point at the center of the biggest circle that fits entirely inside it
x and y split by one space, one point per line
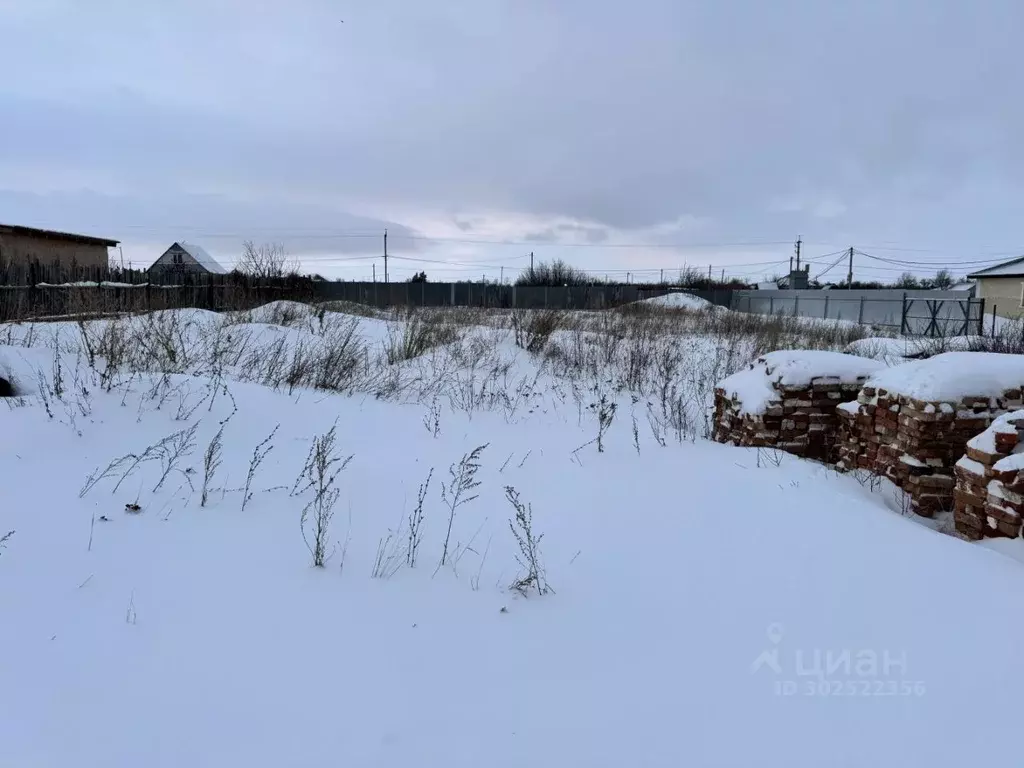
909 263
831 266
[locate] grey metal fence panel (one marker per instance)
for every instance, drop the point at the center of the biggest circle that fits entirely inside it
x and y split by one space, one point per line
914 313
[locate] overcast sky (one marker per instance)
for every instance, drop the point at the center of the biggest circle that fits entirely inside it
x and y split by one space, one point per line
622 136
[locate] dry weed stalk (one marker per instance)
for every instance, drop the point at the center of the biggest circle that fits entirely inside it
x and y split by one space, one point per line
459 491
320 473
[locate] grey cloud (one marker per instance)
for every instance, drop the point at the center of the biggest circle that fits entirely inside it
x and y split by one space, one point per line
547 236
218 221
624 117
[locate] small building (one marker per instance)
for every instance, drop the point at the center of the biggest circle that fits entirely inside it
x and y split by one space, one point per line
964 285
21 246
1002 288
186 258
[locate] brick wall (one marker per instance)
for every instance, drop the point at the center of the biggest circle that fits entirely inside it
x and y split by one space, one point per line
915 443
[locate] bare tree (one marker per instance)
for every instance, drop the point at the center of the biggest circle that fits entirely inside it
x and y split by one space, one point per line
907 280
267 260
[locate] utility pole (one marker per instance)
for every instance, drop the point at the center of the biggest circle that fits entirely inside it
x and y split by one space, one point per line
385 255
849 276
374 273
723 275
531 266
662 279
798 242
709 271
502 275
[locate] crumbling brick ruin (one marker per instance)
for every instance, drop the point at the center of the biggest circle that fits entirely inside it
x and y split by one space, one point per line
989 493
803 422
915 443
783 402
927 425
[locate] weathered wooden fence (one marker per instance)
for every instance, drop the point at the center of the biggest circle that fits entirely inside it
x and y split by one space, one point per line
51 292
55 292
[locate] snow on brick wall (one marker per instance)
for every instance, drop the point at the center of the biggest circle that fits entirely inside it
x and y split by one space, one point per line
788 400
912 422
989 494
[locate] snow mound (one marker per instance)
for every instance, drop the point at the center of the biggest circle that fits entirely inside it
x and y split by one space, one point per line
20 368
678 300
760 385
895 351
953 376
279 313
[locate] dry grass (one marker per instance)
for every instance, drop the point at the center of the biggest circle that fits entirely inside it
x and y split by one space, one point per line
418 335
667 360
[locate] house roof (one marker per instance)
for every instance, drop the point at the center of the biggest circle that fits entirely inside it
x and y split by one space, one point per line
1013 268
49 234
203 258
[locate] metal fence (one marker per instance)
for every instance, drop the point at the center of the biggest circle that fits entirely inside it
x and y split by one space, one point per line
912 313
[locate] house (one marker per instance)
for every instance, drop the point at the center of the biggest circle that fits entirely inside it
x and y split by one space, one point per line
20 246
1002 288
186 258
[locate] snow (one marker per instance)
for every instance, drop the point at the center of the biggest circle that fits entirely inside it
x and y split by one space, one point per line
1012 463
277 311
1002 424
1013 548
697 595
894 351
972 466
1000 491
90 284
909 460
203 258
755 388
953 375
21 367
678 300
1009 269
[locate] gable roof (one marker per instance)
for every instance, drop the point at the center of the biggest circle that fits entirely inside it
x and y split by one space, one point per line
1012 268
49 234
205 260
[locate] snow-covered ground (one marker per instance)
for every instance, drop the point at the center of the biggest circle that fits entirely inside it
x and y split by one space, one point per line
895 351
707 605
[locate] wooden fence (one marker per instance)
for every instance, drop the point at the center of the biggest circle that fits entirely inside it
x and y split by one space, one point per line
53 292
40 291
